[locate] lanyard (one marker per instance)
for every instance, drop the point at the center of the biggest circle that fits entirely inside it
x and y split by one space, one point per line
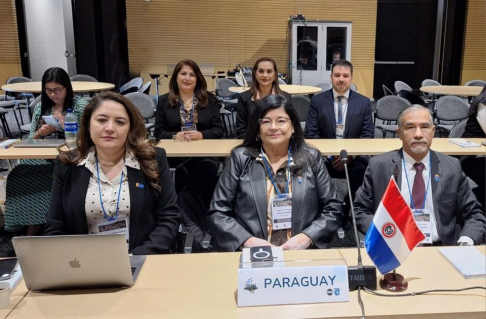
269 172
99 191
408 184
183 112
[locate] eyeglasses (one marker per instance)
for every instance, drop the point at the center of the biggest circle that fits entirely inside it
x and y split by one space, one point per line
267 123
54 90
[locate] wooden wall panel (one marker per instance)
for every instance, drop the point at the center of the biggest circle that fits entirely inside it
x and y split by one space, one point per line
474 52
9 44
228 32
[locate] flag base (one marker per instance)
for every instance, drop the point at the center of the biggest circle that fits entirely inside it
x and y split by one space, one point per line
393 282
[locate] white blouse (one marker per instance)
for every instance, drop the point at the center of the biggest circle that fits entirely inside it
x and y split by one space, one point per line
111 192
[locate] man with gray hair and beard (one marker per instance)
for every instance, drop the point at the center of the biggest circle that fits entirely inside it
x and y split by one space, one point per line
432 184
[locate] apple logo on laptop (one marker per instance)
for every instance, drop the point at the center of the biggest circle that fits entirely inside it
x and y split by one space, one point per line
74 263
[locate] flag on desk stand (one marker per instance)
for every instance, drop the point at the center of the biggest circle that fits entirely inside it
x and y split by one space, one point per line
393 234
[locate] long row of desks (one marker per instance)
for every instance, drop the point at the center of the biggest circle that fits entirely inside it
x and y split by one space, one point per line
222 148
203 286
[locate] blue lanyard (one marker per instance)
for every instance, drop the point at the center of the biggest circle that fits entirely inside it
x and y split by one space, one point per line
183 112
408 184
269 172
99 191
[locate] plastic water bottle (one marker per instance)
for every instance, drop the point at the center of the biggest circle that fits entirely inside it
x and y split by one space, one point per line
71 128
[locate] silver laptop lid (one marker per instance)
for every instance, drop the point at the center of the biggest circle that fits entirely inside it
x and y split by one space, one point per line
51 142
72 262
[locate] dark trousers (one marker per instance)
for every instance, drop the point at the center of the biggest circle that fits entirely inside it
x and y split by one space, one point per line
356 170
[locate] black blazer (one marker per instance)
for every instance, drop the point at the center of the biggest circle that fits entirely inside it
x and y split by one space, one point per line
473 129
321 120
168 119
454 202
246 106
154 216
238 210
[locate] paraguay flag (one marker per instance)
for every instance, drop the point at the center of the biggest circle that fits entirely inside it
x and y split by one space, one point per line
393 233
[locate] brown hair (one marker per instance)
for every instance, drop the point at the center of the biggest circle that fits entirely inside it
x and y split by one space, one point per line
200 91
136 141
255 86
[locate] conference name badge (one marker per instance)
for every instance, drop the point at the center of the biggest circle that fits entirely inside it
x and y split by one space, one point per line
118 226
424 223
339 130
189 127
282 213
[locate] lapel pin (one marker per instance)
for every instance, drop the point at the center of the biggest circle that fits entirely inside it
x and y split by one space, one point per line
139 185
436 177
299 179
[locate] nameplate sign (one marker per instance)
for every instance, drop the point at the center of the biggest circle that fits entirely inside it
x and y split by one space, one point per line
311 283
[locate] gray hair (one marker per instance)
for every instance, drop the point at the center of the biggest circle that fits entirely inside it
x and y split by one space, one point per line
413 108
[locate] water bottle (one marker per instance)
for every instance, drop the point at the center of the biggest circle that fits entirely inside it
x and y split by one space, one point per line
70 128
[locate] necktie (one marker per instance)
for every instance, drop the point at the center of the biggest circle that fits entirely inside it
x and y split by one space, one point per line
340 109
418 191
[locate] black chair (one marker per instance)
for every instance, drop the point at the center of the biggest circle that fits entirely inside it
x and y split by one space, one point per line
386 90
412 97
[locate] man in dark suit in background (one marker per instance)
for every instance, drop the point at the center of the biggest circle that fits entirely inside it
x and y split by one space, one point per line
430 182
341 113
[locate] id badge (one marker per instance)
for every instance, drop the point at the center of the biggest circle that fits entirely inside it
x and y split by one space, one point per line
422 219
339 130
189 127
281 213
119 226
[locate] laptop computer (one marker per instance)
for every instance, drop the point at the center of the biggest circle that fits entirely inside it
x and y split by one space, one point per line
76 261
35 143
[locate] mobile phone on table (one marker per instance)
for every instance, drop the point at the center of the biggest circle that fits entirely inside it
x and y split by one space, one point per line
7 267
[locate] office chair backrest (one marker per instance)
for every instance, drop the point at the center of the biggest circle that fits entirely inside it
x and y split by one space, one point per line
324 85
353 87
145 88
412 97
281 81
301 105
452 108
386 90
18 79
476 83
389 107
222 88
135 82
430 82
33 104
83 77
399 85
458 129
144 104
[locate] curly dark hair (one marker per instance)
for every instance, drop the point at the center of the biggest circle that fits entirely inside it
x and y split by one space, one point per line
136 141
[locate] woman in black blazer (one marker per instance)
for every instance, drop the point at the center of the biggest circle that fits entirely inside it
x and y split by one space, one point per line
190 112
264 82
474 166
114 179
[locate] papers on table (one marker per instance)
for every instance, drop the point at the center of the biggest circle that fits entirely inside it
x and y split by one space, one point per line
467 260
463 143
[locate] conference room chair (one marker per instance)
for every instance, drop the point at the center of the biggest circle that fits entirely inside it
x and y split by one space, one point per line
353 87
458 129
387 110
450 109
301 105
145 89
429 97
400 85
84 78
412 97
476 83
4 123
324 85
146 106
281 81
228 98
131 86
25 128
228 122
386 90
20 99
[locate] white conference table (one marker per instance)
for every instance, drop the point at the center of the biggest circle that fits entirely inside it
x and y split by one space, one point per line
78 87
289 88
458 90
222 148
204 285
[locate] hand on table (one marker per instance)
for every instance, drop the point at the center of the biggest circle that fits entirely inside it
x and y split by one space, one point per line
254 241
298 242
193 135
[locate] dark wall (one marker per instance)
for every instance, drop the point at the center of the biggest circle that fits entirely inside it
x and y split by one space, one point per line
101 40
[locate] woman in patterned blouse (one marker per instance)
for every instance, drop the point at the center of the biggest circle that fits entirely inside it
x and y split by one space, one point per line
57 97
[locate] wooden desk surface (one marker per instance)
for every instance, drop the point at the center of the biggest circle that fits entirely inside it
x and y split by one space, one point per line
78 86
459 90
16 297
216 148
222 148
289 88
203 286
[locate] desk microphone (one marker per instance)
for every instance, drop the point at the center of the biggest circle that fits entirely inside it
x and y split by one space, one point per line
360 275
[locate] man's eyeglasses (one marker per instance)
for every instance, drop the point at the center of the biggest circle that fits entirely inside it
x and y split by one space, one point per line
54 90
267 123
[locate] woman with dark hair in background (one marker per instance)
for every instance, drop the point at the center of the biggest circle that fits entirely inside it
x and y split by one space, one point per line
114 177
57 97
275 189
264 82
190 112
474 166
